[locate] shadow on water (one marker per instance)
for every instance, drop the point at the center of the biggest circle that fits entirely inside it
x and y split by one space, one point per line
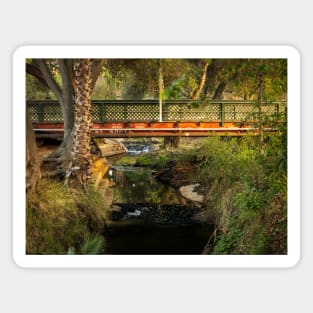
151 217
144 238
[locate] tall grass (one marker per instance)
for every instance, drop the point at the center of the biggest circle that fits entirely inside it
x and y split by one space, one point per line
58 218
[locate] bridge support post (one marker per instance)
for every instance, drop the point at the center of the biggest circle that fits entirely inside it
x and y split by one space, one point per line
41 112
171 142
277 110
222 114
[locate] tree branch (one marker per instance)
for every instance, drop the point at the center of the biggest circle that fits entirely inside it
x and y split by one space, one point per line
53 85
95 71
35 71
65 66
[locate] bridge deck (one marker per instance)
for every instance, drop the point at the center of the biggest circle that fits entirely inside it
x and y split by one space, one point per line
138 118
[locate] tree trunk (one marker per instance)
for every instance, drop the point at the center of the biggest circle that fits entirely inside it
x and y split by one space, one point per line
260 121
33 173
59 160
65 98
212 71
197 92
80 166
161 92
218 93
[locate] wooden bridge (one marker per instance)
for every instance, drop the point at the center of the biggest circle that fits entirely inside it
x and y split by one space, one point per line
146 118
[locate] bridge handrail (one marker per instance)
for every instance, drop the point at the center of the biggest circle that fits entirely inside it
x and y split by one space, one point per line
148 110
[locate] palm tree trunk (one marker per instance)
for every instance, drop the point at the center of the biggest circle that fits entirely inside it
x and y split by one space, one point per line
79 170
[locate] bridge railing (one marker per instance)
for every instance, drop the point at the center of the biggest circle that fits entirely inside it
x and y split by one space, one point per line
49 111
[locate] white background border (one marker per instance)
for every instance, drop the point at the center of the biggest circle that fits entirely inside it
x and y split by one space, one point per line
176 51
163 22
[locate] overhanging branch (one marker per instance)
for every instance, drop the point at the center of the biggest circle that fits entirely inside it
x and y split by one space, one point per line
53 85
35 71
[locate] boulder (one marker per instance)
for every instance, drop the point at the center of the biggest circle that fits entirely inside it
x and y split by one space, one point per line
189 193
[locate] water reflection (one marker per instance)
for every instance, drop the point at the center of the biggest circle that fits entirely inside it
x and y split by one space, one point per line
137 185
149 217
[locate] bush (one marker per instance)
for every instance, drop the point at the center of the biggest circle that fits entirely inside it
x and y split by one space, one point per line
246 192
155 160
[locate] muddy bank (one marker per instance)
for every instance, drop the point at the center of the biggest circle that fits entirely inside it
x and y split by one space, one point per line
177 175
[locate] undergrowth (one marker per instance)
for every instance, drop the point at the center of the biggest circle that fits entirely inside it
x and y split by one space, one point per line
245 192
59 218
156 160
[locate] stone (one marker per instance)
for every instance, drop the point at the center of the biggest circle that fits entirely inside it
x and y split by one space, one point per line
189 193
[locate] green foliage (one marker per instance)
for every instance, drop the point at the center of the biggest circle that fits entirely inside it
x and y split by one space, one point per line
246 192
227 159
71 251
155 161
35 90
244 77
154 197
176 90
59 219
92 245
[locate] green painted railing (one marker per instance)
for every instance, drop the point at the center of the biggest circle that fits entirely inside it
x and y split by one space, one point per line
49 111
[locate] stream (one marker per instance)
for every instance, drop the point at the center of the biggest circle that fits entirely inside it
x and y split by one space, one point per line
150 217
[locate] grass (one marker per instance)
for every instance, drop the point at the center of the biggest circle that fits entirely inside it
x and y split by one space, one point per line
58 218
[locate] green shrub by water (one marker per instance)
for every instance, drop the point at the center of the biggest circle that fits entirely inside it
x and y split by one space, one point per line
246 192
155 160
92 245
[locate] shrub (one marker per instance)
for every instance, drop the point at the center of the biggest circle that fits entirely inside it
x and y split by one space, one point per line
246 192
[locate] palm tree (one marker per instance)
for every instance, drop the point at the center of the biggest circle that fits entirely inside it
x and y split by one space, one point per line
80 163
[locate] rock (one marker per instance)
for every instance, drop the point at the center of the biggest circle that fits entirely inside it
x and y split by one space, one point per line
173 214
188 193
136 213
116 208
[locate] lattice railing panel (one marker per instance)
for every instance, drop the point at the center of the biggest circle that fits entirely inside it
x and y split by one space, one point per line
52 113
48 112
96 112
34 112
269 109
142 112
115 112
239 111
182 111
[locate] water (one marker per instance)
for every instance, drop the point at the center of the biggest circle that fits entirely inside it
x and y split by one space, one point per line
143 238
138 185
151 217
135 148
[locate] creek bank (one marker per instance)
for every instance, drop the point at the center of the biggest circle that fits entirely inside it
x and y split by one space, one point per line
177 175
156 208
184 178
